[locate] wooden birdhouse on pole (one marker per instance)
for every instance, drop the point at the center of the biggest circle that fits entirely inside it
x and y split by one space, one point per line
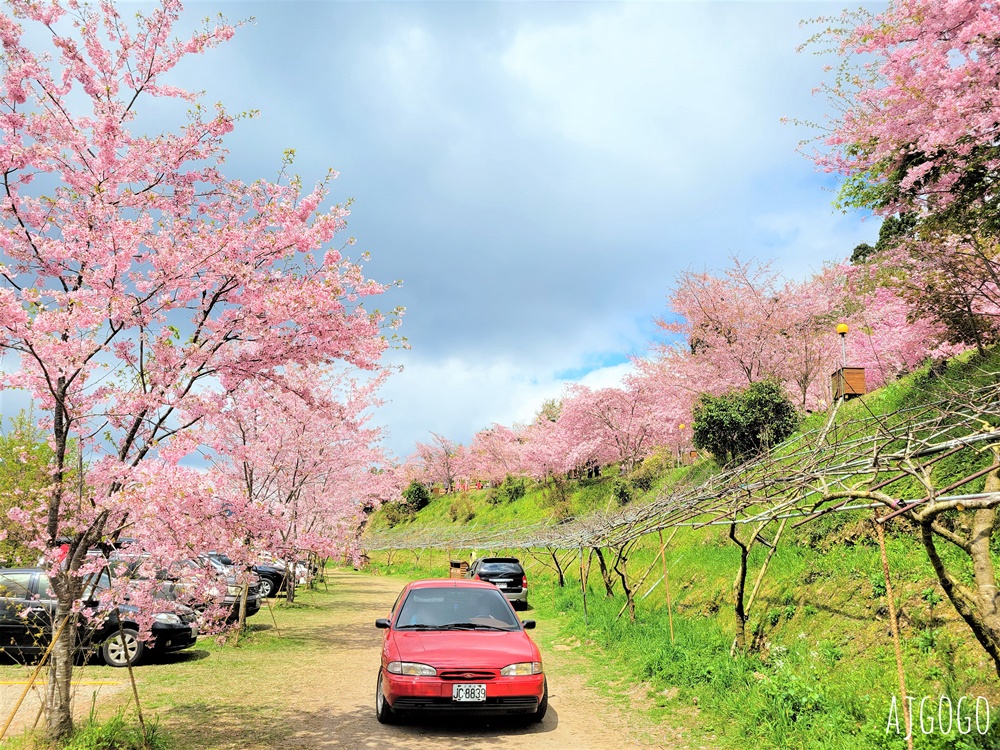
847 381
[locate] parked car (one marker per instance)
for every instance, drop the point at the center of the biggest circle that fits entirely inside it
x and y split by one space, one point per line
27 609
231 600
506 574
456 647
272 577
226 590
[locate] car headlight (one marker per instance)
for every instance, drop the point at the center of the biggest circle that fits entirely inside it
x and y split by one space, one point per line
522 668
411 668
167 618
234 590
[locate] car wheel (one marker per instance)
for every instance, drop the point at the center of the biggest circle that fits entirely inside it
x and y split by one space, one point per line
121 653
383 711
267 587
543 704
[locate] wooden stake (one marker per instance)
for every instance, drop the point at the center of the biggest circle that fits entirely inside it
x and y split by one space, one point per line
666 579
131 677
270 609
897 644
767 560
34 676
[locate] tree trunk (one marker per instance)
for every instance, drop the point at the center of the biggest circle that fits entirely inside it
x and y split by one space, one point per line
739 586
621 568
559 571
609 584
58 703
290 581
978 606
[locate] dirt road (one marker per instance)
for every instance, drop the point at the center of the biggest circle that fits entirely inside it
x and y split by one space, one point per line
335 694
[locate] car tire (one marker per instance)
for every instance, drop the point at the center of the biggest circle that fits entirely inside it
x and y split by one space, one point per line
118 654
543 704
267 587
383 711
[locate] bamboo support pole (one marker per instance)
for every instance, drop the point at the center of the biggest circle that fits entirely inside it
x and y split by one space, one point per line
34 676
666 579
767 561
896 642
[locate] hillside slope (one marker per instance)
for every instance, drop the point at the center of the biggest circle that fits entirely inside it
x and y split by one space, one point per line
820 670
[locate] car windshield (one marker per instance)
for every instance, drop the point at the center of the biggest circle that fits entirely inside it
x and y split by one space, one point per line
456 609
501 567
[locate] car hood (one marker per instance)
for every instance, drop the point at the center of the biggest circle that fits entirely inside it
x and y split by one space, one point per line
460 648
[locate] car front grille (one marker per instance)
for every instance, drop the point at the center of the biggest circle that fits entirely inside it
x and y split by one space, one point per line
467 674
518 704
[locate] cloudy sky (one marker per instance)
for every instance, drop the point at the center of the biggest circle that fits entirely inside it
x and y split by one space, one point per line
536 173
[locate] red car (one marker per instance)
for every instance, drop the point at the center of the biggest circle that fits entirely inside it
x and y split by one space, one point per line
456 647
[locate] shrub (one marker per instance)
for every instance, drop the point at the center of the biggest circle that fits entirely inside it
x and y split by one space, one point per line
646 474
621 491
462 510
396 513
514 488
740 424
416 496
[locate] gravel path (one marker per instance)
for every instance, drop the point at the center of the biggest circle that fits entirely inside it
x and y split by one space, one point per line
337 696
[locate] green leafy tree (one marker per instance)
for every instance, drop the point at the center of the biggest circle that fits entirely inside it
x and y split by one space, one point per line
416 496
743 423
25 475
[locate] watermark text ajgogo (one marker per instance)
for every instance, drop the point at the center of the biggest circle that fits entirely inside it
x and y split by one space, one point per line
940 715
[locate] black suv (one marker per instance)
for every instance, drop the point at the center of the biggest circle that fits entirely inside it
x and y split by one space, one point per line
27 608
506 574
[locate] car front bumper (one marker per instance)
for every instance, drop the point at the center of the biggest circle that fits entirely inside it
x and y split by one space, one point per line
505 696
167 638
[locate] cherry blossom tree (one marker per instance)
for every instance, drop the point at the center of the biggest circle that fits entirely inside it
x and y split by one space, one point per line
302 452
612 424
915 135
138 285
442 461
495 453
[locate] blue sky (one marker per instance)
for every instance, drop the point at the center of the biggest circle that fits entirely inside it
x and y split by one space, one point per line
536 173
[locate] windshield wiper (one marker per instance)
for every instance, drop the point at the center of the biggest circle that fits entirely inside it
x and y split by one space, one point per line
474 626
419 626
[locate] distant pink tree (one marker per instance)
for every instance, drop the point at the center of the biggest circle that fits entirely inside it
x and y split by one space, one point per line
138 285
442 461
730 322
610 425
495 453
888 337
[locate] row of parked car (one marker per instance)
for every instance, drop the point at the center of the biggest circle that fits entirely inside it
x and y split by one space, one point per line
28 606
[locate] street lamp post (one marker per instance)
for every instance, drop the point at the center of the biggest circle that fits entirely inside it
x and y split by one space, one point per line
842 330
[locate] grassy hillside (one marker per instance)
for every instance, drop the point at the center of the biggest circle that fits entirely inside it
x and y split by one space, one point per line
822 671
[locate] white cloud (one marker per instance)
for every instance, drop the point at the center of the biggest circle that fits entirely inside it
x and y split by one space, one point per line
458 396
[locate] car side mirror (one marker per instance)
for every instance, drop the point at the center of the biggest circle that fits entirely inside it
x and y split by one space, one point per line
528 624
382 622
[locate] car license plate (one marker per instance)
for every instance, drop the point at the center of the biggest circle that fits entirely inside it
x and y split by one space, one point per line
502 584
468 693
